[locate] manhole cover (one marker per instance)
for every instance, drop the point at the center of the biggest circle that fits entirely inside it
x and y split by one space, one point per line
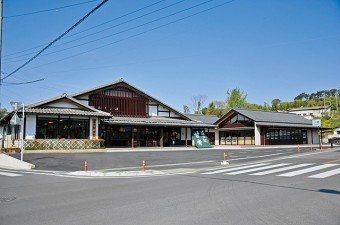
7 199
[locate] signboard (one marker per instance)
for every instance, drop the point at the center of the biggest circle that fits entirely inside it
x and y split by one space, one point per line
15 120
317 123
16 106
200 139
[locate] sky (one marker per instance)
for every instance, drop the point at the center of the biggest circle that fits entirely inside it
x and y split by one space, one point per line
172 49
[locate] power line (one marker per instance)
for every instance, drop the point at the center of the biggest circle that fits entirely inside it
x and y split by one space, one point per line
127 14
132 36
58 38
125 22
47 10
19 83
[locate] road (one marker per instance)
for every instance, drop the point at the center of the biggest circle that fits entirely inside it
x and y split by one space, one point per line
307 193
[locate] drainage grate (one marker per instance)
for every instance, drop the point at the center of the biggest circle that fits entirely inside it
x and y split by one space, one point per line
7 199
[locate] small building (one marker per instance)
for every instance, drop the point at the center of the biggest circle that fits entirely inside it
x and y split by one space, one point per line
256 127
207 119
311 112
116 114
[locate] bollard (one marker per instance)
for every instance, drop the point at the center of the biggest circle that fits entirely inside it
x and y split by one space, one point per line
224 157
143 165
224 161
85 166
298 148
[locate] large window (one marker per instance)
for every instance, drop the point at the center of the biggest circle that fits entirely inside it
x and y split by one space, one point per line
286 136
53 127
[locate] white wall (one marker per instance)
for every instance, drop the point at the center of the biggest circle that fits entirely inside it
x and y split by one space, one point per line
63 105
153 110
31 124
217 137
257 135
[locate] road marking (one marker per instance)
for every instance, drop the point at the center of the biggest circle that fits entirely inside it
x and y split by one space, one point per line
257 169
10 174
234 168
281 169
254 157
337 160
311 169
326 174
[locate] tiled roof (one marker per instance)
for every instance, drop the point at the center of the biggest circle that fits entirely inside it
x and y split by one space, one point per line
208 119
310 108
273 117
66 112
157 121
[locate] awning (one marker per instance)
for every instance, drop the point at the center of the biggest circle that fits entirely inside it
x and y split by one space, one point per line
155 121
292 125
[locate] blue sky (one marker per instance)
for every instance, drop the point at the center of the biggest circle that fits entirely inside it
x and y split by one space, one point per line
267 48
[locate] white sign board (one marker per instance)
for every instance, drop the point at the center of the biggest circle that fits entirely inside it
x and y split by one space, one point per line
317 123
16 106
15 119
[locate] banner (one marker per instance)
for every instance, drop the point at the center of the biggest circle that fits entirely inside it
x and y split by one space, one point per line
200 139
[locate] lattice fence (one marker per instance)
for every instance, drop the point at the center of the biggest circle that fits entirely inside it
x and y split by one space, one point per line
46 144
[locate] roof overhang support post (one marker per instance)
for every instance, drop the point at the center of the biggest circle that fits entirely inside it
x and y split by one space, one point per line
186 137
132 137
161 138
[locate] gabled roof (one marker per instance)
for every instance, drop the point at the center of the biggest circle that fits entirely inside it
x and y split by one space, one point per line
268 116
40 107
121 81
208 119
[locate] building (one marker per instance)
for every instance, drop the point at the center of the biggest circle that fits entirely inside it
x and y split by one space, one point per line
256 127
311 112
116 114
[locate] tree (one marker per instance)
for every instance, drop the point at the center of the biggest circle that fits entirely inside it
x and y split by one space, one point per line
236 98
302 96
186 109
215 108
197 103
3 112
275 103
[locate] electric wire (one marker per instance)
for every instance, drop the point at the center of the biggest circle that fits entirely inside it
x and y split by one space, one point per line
132 36
127 14
117 25
58 38
47 10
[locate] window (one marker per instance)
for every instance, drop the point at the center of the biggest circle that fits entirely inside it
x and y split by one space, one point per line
53 127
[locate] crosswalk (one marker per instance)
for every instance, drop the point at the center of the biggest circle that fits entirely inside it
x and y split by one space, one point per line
311 170
10 174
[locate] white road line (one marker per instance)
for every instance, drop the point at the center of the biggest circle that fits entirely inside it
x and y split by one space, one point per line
326 174
281 169
10 174
254 157
311 169
257 169
234 168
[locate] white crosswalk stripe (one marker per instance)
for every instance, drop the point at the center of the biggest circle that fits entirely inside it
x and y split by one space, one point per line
326 174
308 170
234 168
267 169
281 169
10 174
257 169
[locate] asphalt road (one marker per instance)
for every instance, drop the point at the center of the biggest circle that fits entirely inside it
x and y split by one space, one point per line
198 198
163 159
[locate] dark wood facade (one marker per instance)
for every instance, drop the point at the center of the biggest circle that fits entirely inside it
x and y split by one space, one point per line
120 101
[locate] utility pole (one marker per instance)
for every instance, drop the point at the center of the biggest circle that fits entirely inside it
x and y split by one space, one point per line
1 15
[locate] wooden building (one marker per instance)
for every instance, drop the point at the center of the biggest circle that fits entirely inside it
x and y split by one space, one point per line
117 112
256 127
